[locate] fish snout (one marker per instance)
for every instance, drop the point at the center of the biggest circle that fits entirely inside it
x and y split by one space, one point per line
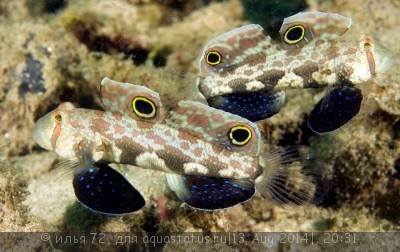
42 132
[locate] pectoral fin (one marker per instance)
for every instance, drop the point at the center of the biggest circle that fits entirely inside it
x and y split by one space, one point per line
102 189
337 108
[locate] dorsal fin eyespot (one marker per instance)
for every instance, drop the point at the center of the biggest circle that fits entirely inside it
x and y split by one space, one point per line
143 107
227 50
240 135
294 34
302 28
213 58
139 102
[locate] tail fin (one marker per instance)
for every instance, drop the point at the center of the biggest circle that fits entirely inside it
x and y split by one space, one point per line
292 177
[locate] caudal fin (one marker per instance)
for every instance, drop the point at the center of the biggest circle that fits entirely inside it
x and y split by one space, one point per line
293 177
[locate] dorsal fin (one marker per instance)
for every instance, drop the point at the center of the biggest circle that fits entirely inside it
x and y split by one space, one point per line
215 126
139 102
239 46
300 29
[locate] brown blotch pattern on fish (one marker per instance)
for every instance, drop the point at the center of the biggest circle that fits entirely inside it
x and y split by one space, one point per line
271 78
119 129
306 70
155 138
117 115
184 135
248 72
168 133
277 64
198 120
173 158
331 52
101 124
184 146
293 52
218 118
350 51
143 124
235 164
255 59
314 55
98 113
76 124
130 149
198 151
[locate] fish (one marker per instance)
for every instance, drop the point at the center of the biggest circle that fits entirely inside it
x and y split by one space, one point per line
246 72
212 159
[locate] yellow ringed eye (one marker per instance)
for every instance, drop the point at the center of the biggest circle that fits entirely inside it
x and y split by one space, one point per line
213 58
240 135
143 107
57 117
294 34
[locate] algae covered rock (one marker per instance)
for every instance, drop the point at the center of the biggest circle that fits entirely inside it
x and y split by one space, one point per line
51 58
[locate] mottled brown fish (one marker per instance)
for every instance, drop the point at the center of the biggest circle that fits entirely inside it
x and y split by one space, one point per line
212 158
245 72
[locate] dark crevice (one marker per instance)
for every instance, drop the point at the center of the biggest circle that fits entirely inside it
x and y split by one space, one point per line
138 55
396 166
270 14
32 80
53 6
131 48
46 6
151 224
299 136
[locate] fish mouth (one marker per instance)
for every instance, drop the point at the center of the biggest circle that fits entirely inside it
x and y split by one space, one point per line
384 58
42 131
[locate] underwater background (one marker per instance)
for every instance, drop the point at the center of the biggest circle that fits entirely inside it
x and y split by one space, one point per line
53 51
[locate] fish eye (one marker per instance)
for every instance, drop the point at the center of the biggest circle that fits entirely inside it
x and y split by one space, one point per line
57 117
240 135
213 58
294 34
367 46
143 107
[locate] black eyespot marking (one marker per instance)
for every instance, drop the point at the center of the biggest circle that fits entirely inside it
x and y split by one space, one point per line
294 34
143 107
240 135
213 58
